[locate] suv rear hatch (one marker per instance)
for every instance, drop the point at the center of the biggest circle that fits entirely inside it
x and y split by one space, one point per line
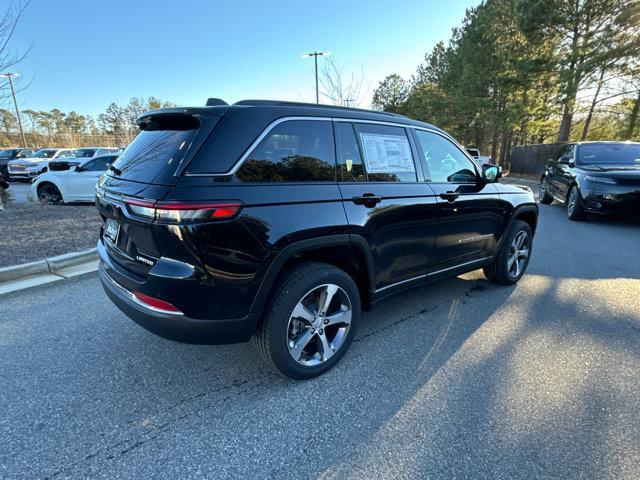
143 175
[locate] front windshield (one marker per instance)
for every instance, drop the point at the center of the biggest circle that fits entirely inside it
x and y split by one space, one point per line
6 153
609 153
45 153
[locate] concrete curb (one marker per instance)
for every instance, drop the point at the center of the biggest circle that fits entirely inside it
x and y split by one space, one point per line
18 277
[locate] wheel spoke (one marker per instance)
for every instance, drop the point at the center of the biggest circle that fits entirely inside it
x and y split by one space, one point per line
343 316
301 342
510 262
303 313
325 298
327 352
524 253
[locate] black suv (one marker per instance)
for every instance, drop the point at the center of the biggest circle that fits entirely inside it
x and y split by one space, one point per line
280 222
594 177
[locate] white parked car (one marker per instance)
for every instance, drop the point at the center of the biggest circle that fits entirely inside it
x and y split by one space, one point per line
27 168
482 159
75 157
75 185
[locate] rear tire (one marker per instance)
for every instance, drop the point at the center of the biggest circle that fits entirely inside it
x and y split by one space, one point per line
511 262
302 335
575 210
544 195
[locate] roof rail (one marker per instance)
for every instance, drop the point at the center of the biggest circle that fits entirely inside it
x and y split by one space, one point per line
266 103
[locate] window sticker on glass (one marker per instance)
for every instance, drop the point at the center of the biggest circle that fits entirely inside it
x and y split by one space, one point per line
387 153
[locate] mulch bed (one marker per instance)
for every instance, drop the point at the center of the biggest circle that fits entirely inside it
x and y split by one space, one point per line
34 232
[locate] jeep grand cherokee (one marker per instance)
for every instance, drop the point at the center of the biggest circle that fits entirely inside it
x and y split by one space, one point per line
279 222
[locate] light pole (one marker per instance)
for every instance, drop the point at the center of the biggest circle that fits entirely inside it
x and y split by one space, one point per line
15 103
315 56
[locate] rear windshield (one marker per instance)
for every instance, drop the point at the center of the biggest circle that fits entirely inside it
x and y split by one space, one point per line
159 147
613 153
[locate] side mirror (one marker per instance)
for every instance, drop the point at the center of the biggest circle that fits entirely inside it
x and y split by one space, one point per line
491 173
79 168
565 161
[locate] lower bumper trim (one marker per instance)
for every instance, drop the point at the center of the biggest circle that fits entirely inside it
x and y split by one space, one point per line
179 328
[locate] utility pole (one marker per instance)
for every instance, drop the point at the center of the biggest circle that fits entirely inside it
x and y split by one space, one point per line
15 103
315 56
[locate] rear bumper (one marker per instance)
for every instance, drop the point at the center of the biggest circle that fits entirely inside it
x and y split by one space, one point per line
179 328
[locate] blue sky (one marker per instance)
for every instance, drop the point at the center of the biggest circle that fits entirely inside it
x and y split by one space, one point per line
88 53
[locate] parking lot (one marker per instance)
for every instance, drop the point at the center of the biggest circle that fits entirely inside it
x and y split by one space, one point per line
460 379
20 193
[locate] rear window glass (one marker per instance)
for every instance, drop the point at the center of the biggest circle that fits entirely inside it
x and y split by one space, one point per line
293 151
387 153
351 168
161 144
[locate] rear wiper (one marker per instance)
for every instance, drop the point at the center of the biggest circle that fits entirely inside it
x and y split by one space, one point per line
115 170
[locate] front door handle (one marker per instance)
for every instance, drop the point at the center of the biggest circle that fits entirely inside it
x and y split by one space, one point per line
449 196
367 199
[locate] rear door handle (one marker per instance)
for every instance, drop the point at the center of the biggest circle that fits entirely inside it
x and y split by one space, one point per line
449 196
367 199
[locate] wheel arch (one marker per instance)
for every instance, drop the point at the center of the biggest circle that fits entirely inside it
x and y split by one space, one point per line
525 213
45 182
350 253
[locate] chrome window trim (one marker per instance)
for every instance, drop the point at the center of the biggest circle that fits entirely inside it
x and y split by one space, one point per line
255 143
278 121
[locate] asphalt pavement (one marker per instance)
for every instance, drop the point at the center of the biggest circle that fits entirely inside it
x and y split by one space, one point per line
458 379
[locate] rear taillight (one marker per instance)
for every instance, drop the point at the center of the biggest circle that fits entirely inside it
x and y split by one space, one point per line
156 304
183 211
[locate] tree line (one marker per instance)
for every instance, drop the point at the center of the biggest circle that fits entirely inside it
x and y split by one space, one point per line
115 127
520 71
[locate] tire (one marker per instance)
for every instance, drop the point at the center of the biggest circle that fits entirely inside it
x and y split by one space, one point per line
49 193
502 270
544 195
575 210
281 336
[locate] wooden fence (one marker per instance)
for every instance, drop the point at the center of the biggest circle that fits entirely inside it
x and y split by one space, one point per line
531 159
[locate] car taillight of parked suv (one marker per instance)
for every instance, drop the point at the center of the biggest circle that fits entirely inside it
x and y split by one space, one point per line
280 222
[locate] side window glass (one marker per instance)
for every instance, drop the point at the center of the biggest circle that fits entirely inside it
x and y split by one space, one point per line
445 162
569 152
387 153
350 167
293 151
98 165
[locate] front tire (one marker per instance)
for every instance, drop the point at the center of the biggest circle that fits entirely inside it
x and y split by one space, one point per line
575 210
513 258
48 193
311 321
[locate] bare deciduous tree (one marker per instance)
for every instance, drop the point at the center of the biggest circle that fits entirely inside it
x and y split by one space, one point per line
9 57
340 87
